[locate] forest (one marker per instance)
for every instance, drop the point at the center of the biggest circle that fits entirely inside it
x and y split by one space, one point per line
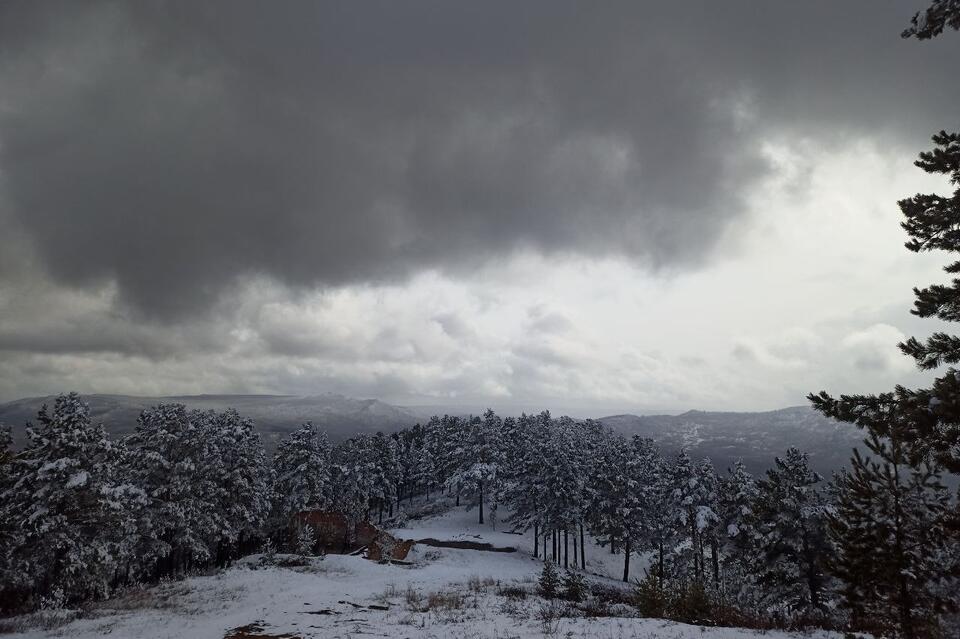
869 549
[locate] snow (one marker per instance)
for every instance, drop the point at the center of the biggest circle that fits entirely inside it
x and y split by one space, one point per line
78 479
289 601
462 525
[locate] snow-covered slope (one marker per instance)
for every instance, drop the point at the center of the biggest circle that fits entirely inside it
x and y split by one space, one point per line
443 592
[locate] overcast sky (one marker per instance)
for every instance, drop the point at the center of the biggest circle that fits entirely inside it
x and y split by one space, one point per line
582 206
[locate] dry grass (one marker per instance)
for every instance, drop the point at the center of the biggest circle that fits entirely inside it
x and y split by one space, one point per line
476 584
445 601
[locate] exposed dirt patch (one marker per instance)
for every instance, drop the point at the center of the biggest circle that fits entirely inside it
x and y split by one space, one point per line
465 545
255 630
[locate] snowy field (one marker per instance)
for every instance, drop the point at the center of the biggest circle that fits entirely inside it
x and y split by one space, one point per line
443 592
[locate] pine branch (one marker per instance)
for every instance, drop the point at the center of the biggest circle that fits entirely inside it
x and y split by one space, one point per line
939 349
931 22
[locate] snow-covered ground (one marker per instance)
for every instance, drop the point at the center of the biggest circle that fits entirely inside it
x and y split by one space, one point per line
462 525
444 592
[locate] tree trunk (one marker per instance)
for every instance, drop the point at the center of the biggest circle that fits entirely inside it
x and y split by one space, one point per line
583 548
626 559
566 548
660 565
574 548
715 556
536 542
481 502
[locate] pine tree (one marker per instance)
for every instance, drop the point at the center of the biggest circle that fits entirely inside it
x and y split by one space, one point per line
306 541
523 486
69 536
738 533
930 417
934 19
238 471
10 536
924 422
386 472
352 474
792 545
660 533
169 459
574 586
480 462
888 529
6 447
695 504
301 475
621 492
548 585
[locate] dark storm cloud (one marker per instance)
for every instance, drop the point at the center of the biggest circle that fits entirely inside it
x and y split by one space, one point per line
176 147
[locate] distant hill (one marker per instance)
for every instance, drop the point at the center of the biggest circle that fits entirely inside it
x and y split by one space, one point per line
755 437
275 415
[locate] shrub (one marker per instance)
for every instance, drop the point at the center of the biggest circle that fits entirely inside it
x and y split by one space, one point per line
269 552
549 615
445 601
650 597
693 604
549 583
413 598
574 586
476 584
513 592
306 541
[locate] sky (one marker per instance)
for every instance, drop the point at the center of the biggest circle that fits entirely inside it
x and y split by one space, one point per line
587 207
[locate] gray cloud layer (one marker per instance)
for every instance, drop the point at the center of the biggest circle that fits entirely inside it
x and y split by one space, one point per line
176 148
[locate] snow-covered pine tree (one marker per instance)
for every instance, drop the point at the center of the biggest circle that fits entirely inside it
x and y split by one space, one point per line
301 475
68 536
738 534
6 446
695 503
521 487
480 456
385 466
410 444
931 22
9 532
620 491
306 541
888 531
792 545
446 448
352 475
429 463
564 477
659 533
237 467
549 584
168 459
